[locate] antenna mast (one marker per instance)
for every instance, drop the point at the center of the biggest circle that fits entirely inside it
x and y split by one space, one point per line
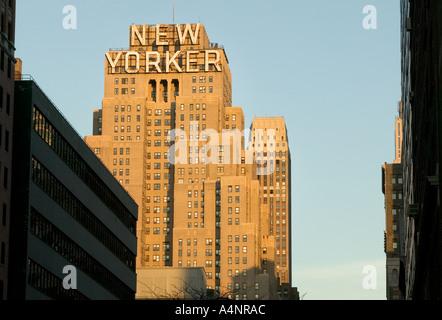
173 11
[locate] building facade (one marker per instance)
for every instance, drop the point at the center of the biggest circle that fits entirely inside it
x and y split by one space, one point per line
172 138
172 283
392 185
421 47
68 211
7 62
271 149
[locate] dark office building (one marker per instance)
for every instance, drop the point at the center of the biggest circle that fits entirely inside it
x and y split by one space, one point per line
68 210
7 61
421 235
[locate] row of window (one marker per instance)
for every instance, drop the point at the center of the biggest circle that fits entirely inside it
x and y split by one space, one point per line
395 196
157 186
202 79
157 165
181 171
158 112
128 109
193 106
51 285
157 209
7 22
166 230
66 200
157 258
157 155
208 241
396 179
157 199
126 118
128 138
67 248
124 81
245 285
5 105
124 91
233 118
65 151
193 117
202 89
157 220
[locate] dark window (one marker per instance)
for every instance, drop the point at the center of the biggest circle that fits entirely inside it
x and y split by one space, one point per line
65 151
6 140
9 68
5 178
4 213
49 284
68 249
3 253
2 60
1 97
63 197
8 104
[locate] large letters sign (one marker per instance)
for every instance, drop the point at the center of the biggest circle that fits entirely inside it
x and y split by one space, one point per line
154 61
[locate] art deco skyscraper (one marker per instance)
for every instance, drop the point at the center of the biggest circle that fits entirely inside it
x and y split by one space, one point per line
170 76
273 145
167 103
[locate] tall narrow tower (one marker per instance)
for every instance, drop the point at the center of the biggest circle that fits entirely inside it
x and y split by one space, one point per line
392 188
271 144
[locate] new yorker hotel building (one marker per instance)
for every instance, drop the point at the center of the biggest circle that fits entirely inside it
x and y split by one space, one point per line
173 78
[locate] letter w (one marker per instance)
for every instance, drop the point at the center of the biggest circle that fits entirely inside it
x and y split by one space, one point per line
188 30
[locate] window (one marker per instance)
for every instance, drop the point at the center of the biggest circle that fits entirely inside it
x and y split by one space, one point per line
5 177
3 253
6 140
4 213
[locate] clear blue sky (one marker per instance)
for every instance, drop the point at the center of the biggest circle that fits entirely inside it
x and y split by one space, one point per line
336 84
